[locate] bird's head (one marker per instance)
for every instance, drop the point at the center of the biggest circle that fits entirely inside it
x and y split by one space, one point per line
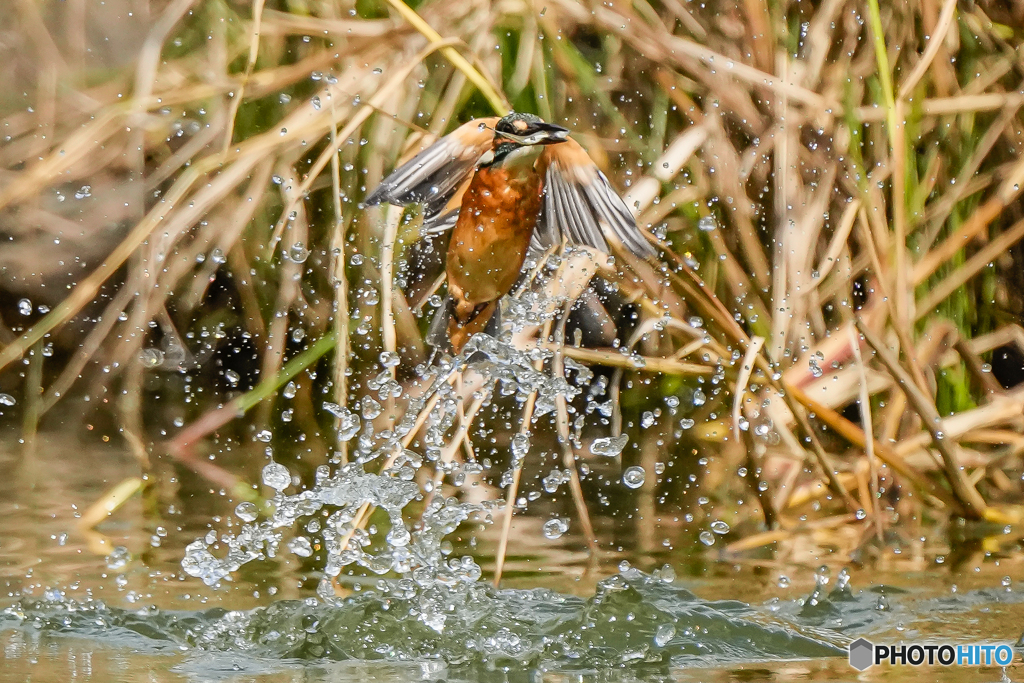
516 131
527 129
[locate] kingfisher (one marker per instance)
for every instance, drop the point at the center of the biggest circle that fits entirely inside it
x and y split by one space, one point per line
500 185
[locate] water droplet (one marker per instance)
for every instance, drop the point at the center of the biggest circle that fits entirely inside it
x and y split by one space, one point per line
554 528
118 558
277 476
370 408
7 400
719 527
232 377
520 447
634 477
348 425
298 252
707 223
609 446
25 307
264 435
664 634
151 358
399 536
300 546
246 511
707 538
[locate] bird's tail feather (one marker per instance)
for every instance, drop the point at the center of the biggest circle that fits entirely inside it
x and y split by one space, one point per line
447 335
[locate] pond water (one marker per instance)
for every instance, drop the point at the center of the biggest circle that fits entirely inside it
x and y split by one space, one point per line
77 607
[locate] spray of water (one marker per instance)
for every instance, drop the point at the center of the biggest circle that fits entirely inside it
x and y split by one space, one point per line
385 473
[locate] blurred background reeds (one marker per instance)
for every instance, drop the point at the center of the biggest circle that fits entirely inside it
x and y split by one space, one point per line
831 337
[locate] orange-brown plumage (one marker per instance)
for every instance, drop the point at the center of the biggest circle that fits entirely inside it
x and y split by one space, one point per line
488 246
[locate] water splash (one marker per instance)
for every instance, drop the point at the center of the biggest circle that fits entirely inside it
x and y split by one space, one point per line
633 620
432 606
342 496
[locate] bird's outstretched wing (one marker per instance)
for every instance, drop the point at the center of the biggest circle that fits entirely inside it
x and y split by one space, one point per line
434 176
580 204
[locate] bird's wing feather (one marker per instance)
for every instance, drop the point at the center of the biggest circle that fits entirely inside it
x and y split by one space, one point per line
441 214
435 173
580 204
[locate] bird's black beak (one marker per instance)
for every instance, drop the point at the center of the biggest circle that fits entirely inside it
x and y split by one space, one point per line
549 134
539 133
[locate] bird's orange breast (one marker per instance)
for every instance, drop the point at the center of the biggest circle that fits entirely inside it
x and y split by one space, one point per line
489 244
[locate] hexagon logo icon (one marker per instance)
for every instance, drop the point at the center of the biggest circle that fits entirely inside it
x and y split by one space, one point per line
862 654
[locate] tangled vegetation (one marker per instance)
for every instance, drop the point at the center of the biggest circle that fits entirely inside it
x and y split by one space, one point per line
834 188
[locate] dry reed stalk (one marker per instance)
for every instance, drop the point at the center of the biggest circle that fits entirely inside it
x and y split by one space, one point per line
226 235
745 439
775 536
635 362
276 22
243 158
86 289
1008 190
287 293
339 285
568 454
468 70
968 497
250 64
976 368
387 280
1001 410
517 473
864 401
974 265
